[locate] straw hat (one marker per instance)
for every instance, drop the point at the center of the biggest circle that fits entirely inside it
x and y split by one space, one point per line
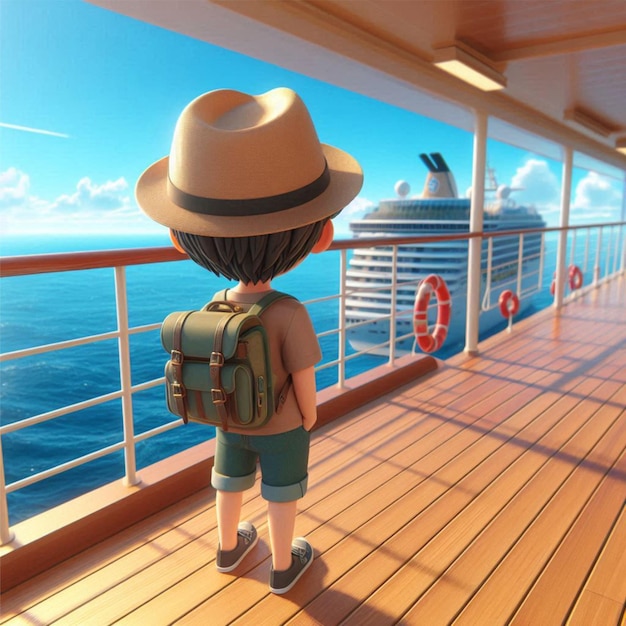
244 165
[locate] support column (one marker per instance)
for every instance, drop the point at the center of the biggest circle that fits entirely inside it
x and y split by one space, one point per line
476 226
566 194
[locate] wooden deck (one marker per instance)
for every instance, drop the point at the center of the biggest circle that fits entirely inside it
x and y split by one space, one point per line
491 492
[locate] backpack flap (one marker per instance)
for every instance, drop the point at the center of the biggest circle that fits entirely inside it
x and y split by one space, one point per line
198 333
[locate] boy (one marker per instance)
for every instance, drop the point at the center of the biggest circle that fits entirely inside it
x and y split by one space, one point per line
248 192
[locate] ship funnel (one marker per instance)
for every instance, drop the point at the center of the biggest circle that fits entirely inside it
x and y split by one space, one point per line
440 181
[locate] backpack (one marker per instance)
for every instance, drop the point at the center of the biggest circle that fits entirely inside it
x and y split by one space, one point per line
219 371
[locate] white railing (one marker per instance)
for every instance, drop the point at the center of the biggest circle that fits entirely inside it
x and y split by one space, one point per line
512 276
607 248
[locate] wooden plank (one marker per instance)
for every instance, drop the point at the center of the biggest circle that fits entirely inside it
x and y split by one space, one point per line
535 477
575 556
531 544
369 573
604 593
560 580
596 610
56 579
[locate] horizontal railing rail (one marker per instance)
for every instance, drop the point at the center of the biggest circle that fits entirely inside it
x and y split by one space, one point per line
71 261
608 249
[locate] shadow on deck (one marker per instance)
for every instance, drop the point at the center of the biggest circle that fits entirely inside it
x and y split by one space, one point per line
490 492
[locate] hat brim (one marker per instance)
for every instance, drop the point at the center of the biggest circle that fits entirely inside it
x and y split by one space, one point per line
346 179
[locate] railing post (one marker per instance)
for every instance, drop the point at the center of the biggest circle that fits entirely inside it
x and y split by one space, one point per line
476 226
121 299
542 253
596 267
617 232
622 243
487 297
6 536
520 257
341 373
394 304
566 192
607 263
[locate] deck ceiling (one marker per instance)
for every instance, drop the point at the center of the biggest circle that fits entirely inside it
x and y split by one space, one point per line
557 56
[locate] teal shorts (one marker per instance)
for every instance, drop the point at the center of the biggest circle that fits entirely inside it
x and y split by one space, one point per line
283 458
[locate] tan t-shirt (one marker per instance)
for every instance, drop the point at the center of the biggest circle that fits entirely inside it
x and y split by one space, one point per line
293 347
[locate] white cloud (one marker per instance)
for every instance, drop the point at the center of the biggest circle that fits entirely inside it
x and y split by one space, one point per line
539 186
91 208
354 211
96 198
596 199
14 187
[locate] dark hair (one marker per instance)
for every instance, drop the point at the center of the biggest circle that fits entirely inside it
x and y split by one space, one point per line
253 259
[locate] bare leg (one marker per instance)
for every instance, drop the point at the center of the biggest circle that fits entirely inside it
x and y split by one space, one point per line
282 520
228 505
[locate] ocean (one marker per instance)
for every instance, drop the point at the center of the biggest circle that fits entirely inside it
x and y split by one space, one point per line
47 308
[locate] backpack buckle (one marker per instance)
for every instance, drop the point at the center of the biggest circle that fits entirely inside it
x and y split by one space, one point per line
178 390
177 357
218 396
217 359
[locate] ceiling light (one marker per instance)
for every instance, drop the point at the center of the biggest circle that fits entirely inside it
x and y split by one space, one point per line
620 144
587 121
469 65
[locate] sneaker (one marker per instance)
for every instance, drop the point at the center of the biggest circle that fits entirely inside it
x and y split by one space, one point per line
301 559
247 538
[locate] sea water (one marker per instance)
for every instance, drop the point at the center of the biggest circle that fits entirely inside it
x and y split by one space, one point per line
48 308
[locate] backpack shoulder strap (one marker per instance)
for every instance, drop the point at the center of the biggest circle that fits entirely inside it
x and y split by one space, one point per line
266 301
257 309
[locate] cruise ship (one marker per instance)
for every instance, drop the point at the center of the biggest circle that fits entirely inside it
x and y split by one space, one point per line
438 211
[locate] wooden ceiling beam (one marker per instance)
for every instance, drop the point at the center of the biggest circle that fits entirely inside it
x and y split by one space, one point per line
580 43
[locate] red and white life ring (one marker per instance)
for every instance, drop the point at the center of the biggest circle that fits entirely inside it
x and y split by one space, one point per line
575 277
509 303
425 340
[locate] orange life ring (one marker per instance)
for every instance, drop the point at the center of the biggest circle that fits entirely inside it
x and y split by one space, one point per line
553 284
509 303
425 340
575 277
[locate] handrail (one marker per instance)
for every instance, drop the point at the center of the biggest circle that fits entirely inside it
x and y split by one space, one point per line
24 265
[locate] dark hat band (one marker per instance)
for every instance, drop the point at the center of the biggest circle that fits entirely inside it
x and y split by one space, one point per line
249 206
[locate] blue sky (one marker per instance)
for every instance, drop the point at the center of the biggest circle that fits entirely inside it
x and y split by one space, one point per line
89 98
